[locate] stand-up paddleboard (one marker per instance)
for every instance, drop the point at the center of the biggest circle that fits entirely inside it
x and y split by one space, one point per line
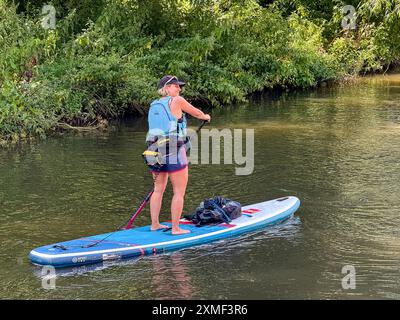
142 241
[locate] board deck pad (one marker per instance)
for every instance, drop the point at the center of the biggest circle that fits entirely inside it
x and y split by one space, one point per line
140 241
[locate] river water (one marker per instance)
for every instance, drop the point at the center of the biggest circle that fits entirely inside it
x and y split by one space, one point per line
337 149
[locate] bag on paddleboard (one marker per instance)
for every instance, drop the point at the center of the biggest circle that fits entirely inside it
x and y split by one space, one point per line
215 210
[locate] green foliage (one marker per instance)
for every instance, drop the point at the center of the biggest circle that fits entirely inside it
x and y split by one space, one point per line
381 26
105 56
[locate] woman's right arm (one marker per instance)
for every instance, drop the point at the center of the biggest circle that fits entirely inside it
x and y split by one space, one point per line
193 111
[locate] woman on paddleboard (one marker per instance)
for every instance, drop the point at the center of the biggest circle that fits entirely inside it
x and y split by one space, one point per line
167 119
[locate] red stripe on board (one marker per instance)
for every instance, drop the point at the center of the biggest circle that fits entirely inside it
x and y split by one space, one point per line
228 225
186 222
250 211
141 250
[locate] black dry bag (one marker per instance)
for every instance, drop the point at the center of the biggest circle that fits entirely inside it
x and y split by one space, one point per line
215 210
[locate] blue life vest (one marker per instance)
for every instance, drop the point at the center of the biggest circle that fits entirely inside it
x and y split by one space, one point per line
162 123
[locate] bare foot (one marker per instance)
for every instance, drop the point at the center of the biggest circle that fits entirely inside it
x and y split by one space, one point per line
180 231
158 227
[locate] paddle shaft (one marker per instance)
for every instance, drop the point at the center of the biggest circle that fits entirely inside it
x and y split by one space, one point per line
138 210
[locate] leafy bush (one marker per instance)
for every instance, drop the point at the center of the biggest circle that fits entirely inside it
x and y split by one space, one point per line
106 56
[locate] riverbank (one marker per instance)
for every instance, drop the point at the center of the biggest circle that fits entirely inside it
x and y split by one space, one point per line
104 63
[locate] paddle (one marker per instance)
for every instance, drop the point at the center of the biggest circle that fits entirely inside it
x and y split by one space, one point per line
149 194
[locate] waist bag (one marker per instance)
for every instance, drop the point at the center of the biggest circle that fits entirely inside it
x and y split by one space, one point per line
158 150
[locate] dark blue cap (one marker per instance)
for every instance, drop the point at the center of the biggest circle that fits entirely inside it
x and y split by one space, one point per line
166 80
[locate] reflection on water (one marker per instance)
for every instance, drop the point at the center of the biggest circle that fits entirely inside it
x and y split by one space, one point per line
335 148
171 278
168 277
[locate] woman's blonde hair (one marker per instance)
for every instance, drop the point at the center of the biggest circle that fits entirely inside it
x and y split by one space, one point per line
163 91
